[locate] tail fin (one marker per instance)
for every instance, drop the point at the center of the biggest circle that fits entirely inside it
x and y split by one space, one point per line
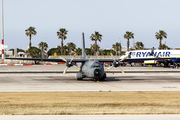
152 52
83 47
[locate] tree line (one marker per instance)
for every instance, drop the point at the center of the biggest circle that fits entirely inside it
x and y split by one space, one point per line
93 50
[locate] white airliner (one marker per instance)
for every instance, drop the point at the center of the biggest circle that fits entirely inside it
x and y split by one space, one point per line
173 56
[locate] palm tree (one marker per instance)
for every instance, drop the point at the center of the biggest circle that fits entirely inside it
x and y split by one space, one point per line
43 46
93 48
139 46
88 51
52 51
58 50
164 47
117 47
160 35
29 32
34 52
65 49
96 37
78 51
128 36
71 47
102 52
62 35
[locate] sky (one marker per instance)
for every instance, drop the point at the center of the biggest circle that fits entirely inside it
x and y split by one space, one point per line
111 18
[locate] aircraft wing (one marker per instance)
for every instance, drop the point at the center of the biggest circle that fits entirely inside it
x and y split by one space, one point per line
61 60
105 60
100 60
37 59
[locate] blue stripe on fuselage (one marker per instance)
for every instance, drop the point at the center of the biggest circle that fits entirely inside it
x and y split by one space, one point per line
175 60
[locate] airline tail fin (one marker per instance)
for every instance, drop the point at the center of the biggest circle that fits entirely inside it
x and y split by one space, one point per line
83 47
152 51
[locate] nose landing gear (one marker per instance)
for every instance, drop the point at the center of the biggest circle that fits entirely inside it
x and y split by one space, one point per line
100 79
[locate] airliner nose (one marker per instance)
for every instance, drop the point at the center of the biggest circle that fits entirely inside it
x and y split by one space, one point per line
97 73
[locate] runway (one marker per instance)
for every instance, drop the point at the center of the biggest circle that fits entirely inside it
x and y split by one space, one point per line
49 79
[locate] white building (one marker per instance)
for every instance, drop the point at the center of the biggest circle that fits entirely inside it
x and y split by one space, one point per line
124 48
5 51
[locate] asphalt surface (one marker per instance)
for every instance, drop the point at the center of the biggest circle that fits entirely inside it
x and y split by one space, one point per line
49 79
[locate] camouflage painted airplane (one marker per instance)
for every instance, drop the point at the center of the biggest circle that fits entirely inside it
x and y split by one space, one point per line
90 68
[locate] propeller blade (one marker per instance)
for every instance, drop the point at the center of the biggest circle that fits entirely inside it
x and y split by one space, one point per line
74 54
128 56
71 60
65 70
109 67
68 63
123 59
63 59
75 66
113 57
121 70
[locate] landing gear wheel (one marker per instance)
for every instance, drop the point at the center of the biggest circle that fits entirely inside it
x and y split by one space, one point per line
79 78
102 79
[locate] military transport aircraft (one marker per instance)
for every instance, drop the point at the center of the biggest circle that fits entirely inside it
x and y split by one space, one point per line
90 68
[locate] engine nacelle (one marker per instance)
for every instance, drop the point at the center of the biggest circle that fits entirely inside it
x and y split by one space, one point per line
78 64
150 62
68 64
80 76
116 64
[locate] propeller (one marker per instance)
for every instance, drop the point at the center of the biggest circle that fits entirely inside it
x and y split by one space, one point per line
116 63
68 63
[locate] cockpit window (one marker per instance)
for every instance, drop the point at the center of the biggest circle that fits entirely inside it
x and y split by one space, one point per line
96 64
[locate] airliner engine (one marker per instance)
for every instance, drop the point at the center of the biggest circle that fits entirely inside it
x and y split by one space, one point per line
150 62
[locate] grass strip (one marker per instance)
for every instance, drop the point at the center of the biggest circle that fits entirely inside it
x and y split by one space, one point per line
89 103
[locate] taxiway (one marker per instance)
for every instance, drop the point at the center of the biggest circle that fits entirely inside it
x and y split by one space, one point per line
50 79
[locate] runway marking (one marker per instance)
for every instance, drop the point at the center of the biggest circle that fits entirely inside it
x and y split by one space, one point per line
168 87
159 85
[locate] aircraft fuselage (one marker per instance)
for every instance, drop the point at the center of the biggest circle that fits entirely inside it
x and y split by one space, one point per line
92 69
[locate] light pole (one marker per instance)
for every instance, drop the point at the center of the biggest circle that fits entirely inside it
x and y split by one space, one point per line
2 60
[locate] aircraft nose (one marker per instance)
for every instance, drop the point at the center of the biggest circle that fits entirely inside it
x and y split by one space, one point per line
97 73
